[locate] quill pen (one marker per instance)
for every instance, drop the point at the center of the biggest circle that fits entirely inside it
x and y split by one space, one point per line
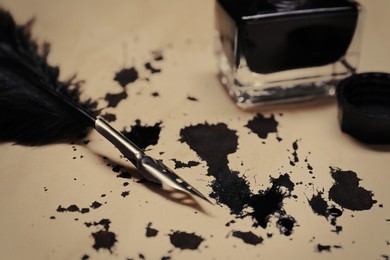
36 108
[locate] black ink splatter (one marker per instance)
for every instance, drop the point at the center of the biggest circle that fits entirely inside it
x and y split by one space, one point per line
126 76
109 117
114 99
319 205
125 194
184 240
85 257
152 70
347 193
104 239
179 164
327 248
248 237
294 154
96 205
151 232
270 203
124 175
143 135
263 126
213 144
155 94
117 168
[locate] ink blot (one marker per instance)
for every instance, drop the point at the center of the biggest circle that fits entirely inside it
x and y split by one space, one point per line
125 194
143 135
152 70
104 240
179 164
270 203
347 193
248 237
319 205
263 126
157 55
126 76
85 257
96 205
109 117
213 144
114 99
184 240
151 232
155 94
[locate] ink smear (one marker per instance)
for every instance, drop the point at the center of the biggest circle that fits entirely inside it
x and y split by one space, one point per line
263 126
151 232
143 135
184 240
347 193
248 237
213 144
114 99
126 76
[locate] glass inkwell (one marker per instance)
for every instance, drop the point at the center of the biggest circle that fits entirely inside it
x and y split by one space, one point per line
280 51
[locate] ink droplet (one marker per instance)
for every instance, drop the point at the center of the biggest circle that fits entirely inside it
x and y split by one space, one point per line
184 240
126 76
248 237
109 117
104 239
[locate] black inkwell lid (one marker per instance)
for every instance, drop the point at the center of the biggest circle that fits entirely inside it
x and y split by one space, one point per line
364 107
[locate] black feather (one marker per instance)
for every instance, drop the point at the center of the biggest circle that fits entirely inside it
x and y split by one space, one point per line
29 113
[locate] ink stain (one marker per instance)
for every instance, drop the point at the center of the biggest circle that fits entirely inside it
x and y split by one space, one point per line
113 99
286 225
248 237
347 193
143 135
179 164
85 257
184 240
263 126
124 175
155 94
213 144
150 68
151 232
126 76
109 117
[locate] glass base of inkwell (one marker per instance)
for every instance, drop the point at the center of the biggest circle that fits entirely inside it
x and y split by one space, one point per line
281 51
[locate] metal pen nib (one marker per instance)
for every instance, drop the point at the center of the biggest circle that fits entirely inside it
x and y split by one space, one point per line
153 170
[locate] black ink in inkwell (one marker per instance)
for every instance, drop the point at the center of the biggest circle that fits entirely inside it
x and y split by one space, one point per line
277 51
